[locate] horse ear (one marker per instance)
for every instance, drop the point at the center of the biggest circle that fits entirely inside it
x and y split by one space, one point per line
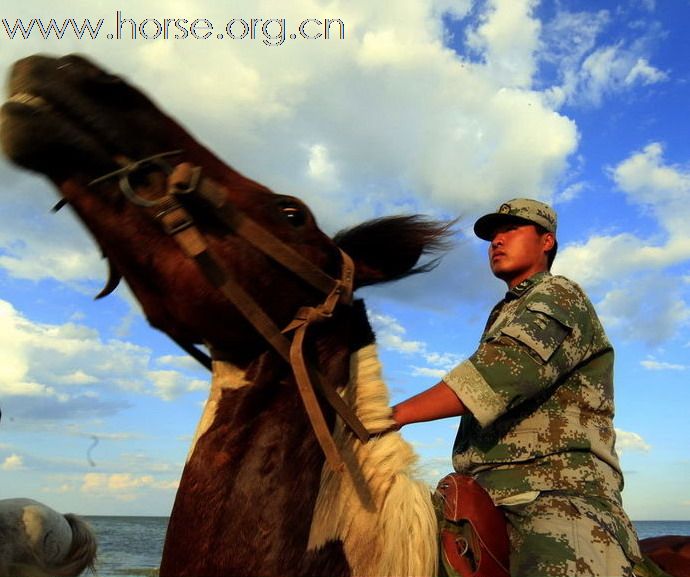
387 249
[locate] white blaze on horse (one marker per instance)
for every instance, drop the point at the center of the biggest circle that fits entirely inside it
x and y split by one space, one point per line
282 477
36 541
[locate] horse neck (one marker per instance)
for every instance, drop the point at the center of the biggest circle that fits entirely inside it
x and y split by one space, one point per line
247 493
255 488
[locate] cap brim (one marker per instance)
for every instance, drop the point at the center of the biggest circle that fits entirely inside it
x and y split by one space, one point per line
487 224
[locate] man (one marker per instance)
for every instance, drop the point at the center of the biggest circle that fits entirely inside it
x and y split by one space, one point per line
537 404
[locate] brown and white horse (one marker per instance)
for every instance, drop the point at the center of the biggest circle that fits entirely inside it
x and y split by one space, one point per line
36 541
218 259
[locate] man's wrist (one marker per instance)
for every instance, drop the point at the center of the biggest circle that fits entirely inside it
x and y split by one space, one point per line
398 418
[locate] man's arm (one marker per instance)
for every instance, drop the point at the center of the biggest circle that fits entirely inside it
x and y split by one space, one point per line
437 402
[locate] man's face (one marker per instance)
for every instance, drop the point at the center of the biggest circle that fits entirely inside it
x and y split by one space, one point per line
517 251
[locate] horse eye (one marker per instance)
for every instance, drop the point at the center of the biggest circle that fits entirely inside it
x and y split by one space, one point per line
293 213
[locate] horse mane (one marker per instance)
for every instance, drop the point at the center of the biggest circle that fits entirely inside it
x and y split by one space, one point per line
82 553
378 509
388 248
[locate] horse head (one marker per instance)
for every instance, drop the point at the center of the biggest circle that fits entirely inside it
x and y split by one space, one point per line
73 122
38 541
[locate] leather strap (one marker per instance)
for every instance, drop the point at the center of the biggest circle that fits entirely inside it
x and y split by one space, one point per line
178 223
245 227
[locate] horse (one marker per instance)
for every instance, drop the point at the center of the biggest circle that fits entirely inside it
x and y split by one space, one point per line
36 541
293 468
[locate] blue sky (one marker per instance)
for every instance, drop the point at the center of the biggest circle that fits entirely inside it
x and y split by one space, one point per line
433 106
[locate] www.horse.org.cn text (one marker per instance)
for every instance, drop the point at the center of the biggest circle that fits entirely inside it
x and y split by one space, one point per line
270 31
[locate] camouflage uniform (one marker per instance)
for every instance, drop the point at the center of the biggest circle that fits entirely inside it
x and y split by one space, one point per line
540 435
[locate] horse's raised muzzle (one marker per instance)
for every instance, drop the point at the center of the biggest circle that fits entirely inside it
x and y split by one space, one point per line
51 124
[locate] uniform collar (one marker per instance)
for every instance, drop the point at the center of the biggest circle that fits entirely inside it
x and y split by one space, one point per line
519 290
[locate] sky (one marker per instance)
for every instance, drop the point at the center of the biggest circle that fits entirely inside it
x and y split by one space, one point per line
439 107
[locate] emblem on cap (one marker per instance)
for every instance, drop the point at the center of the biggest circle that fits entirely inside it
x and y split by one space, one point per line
504 209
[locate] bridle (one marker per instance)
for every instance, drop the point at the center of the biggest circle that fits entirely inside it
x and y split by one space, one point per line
176 221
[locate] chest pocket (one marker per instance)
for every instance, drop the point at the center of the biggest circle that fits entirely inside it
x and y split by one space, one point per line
539 329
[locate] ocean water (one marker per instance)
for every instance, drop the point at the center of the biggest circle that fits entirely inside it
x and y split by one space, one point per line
128 546
647 529
132 546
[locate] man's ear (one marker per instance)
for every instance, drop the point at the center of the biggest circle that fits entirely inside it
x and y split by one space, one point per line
549 241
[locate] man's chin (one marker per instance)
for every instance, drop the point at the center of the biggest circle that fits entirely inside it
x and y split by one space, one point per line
501 273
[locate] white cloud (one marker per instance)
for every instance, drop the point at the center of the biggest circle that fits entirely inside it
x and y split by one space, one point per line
428 372
587 73
124 486
601 258
77 377
647 179
627 441
62 489
444 360
433 469
320 167
649 309
613 69
507 38
648 5
654 365
169 385
12 463
440 363
643 73
571 192
50 370
183 362
631 270
37 244
390 335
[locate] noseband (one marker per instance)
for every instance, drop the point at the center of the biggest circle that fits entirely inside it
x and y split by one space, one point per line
177 222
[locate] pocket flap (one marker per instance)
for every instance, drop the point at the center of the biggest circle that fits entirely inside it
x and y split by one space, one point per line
538 329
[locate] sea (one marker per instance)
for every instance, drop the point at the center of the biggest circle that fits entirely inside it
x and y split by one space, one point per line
132 546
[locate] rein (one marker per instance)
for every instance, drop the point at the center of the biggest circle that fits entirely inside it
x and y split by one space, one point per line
177 222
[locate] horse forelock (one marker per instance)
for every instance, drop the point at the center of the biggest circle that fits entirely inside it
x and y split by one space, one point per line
377 509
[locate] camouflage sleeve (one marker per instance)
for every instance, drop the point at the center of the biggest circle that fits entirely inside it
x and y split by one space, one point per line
546 340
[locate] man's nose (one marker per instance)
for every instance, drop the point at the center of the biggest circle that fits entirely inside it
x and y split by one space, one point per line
497 239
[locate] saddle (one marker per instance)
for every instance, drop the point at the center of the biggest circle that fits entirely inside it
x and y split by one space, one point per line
473 534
